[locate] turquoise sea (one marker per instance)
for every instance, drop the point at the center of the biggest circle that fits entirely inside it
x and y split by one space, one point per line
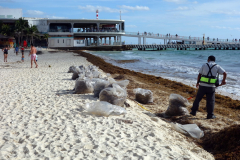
178 65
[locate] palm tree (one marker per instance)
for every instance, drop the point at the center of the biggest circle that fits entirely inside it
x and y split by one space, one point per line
1 23
46 36
5 30
20 27
33 30
30 31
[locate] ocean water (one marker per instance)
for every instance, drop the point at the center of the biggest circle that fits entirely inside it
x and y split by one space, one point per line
178 65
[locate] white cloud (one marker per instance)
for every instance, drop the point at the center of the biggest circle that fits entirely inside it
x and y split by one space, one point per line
176 1
55 17
90 8
229 28
229 8
139 8
131 26
35 12
229 12
182 8
123 8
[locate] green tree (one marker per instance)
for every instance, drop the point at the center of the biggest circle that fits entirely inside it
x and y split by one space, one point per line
20 26
1 23
34 32
5 30
31 31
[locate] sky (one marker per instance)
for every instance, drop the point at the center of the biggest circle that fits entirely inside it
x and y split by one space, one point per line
216 19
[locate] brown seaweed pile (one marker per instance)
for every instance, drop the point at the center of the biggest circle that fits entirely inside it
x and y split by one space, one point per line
224 144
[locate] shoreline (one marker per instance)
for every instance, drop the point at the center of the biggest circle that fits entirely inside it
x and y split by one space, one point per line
190 83
226 99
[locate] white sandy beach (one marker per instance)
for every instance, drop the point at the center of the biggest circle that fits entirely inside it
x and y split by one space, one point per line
42 119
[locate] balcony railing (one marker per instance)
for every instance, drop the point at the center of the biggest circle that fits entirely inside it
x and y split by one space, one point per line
87 30
60 30
98 30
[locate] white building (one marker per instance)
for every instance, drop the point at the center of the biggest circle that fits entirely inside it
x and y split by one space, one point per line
80 32
10 13
72 32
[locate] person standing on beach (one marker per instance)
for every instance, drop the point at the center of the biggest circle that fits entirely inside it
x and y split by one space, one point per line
33 54
5 53
206 82
16 50
22 49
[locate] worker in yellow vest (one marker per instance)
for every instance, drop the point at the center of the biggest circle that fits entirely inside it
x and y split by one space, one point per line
207 81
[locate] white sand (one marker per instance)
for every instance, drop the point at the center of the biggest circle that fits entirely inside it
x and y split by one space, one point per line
41 119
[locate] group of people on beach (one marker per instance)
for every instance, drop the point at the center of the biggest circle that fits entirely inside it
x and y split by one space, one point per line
33 53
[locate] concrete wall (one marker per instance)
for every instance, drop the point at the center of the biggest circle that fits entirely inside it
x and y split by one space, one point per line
60 42
10 13
42 25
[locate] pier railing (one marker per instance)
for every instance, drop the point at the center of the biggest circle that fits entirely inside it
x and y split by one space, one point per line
177 37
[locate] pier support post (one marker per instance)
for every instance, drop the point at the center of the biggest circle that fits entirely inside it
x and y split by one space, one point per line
105 40
139 40
109 40
144 40
97 38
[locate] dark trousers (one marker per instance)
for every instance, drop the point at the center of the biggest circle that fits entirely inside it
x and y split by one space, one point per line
210 94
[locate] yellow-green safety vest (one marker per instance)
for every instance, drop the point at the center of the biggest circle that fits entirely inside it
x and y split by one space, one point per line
209 79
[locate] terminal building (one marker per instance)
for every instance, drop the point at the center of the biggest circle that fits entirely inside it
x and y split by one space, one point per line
72 32
80 32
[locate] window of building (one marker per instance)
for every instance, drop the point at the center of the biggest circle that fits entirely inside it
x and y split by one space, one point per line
9 16
2 16
80 41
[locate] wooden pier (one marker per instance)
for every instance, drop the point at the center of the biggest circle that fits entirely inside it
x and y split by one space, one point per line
186 47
